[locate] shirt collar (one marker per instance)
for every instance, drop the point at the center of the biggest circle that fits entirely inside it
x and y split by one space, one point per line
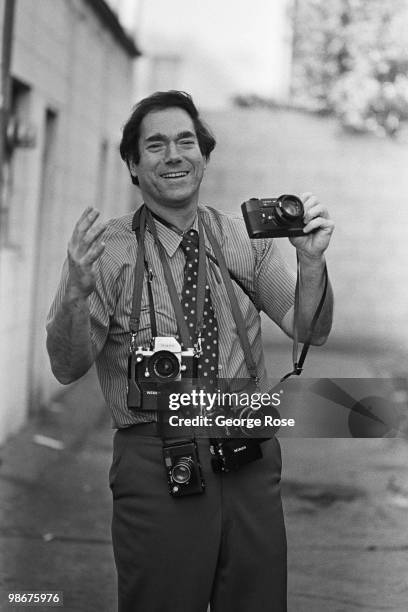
171 238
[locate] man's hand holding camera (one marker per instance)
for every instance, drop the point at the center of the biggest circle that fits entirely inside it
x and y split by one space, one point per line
318 230
310 249
84 248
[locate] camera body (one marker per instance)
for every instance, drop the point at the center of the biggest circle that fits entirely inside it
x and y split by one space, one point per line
231 454
155 373
183 468
274 217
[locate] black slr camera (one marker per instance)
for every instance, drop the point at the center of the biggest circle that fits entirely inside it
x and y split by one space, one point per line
183 468
155 373
274 217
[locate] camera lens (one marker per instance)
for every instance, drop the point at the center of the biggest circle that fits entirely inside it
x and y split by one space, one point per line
181 472
164 365
249 413
289 209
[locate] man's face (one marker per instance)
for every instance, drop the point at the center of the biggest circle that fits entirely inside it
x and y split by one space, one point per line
171 166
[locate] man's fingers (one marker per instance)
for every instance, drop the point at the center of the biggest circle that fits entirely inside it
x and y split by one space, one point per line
94 252
86 220
94 233
319 223
86 232
316 210
81 246
84 214
309 202
305 196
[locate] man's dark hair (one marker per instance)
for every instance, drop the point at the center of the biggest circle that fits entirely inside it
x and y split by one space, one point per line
161 100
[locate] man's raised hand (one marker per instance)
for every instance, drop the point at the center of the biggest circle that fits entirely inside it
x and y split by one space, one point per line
317 231
84 248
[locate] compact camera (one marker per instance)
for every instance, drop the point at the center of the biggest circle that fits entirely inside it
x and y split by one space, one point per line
274 217
183 468
230 454
155 373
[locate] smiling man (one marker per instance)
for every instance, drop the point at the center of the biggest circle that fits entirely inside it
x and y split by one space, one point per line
170 165
227 545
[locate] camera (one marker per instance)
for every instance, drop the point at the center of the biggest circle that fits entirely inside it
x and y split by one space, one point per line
274 217
155 373
183 468
231 454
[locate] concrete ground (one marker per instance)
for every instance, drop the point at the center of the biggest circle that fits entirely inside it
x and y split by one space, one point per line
346 508
55 505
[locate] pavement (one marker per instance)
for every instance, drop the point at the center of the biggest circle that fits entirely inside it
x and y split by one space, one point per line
55 504
345 500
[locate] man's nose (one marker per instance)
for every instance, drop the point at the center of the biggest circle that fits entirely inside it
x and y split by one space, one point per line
172 152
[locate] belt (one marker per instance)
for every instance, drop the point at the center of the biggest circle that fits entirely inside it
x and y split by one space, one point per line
167 432
153 429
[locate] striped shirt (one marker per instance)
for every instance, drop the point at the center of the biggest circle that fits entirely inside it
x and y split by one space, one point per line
257 264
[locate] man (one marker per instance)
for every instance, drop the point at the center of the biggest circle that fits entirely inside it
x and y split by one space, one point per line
226 546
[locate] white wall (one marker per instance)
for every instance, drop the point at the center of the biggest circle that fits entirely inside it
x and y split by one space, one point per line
75 67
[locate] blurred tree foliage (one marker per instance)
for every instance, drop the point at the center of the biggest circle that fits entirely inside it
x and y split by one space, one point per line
350 57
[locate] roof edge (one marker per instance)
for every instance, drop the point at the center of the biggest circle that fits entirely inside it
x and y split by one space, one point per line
109 18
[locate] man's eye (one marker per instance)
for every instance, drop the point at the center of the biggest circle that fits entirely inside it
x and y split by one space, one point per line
155 146
187 142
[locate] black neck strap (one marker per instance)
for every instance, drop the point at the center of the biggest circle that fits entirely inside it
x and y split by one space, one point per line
139 273
152 313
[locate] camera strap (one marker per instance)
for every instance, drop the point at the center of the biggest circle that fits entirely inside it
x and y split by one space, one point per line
236 312
139 274
144 217
298 363
181 322
141 218
152 313
210 256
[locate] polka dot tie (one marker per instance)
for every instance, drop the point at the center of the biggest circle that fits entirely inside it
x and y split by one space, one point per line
208 362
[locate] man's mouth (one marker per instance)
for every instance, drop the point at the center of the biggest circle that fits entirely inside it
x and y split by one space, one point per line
174 175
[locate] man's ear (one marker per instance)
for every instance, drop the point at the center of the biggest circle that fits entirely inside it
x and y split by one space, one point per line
133 168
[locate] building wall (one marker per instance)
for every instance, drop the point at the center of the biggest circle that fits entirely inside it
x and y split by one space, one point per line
78 95
222 49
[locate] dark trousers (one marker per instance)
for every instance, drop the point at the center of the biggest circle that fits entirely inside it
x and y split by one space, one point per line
226 547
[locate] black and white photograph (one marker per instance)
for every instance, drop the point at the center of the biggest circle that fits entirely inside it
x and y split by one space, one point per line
204 305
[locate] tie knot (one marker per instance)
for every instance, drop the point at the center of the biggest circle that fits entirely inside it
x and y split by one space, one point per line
189 244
